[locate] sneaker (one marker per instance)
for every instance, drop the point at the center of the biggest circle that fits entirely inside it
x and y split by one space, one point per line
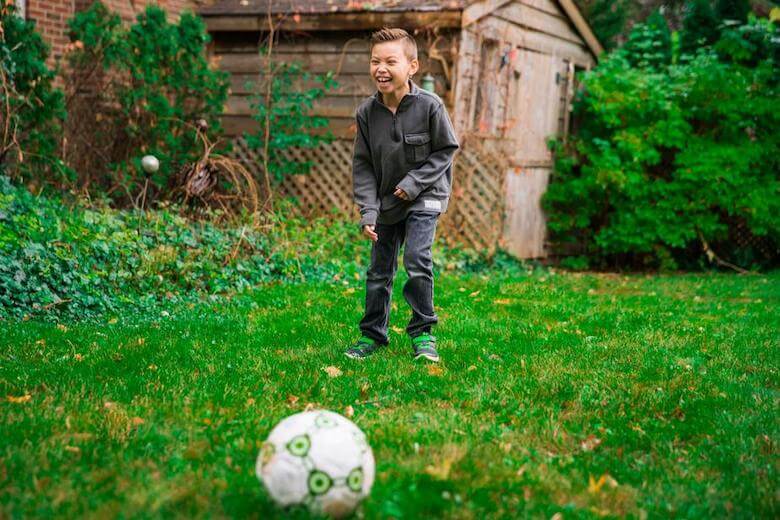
424 346
363 348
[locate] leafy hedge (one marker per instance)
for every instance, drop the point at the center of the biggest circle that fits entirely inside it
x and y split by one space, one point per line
155 83
669 157
32 109
58 260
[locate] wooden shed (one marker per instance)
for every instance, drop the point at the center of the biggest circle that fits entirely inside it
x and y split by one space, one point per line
504 68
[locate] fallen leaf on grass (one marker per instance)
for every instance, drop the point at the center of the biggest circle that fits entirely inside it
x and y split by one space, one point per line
62 327
397 330
18 400
292 399
590 443
73 449
332 371
471 368
474 293
594 486
502 301
435 370
137 421
444 460
349 411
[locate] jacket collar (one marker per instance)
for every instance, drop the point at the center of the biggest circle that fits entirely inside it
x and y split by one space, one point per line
414 91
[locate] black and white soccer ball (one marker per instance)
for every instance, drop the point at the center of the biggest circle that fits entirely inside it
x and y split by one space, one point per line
318 459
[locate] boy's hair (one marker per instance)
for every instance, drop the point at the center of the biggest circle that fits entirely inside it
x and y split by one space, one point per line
388 34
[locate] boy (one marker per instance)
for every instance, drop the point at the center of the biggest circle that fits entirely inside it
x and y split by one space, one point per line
402 178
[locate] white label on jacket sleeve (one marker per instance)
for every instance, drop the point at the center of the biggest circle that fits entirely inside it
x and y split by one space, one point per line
432 204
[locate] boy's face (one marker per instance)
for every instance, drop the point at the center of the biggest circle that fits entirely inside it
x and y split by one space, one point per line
390 68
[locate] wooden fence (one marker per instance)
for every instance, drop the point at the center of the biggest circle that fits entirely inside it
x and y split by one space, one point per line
475 214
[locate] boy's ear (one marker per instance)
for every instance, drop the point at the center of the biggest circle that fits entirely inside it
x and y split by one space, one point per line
415 66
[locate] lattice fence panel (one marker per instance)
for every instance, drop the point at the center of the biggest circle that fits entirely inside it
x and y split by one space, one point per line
475 214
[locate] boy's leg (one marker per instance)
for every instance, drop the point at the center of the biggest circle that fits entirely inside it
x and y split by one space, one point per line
379 281
418 262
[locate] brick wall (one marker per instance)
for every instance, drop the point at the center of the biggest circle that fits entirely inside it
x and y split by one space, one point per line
51 22
51 16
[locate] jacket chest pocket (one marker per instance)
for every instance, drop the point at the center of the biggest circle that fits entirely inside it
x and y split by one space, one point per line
417 147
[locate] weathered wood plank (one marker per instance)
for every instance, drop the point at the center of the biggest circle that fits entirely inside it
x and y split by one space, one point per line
326 107
540 21
336 21
349 85
236 124
547 6
238 42
533 111
493 27
480 9
525 222
349 63
465 84
573 13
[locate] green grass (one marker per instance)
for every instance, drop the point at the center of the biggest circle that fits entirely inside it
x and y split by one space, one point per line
582 394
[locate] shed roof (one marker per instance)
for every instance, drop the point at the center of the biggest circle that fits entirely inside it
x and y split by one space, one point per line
233 7
453 13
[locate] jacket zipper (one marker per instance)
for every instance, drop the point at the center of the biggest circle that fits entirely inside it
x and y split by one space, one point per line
395 135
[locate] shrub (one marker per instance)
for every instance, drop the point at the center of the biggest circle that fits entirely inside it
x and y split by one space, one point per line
152 82
58 260
284 106
673 162
32 108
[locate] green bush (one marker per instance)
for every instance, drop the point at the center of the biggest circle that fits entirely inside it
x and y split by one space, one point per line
668 158
32 110
155 83
288 115
58 260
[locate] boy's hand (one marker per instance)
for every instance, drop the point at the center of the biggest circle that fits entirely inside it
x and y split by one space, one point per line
368 230
401 194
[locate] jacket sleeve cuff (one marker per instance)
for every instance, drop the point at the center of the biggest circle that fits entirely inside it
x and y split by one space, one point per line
410 187
368 218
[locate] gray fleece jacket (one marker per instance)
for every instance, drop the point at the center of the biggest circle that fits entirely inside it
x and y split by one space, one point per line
411 149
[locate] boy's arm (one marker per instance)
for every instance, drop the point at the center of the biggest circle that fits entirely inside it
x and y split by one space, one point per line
363 179
443 147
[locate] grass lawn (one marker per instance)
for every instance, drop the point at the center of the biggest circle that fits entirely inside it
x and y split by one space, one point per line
584 395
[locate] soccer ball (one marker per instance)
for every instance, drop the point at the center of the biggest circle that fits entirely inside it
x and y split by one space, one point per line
319 459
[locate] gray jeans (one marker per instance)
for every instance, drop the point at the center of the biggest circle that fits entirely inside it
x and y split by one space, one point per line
417 229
